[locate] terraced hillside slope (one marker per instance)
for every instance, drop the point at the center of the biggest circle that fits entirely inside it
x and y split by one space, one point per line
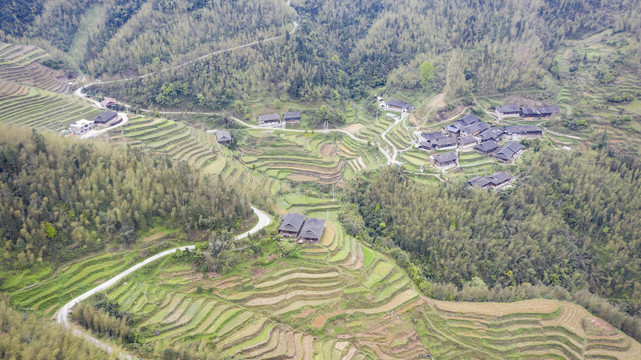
20 64
37 108
342 300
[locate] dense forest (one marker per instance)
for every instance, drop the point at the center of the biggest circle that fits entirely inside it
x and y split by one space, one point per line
30 337
572 221
340 49
60 198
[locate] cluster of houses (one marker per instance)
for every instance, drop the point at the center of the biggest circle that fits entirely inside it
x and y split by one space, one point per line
107 118
292 117
515 111
497 180
470 133
301 228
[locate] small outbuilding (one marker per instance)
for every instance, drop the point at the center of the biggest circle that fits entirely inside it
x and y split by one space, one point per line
292 117
223 137
109 103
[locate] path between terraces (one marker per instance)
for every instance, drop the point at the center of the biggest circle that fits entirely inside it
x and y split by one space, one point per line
62 315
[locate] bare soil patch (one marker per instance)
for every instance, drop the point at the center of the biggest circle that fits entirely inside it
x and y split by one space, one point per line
298 177
319 321
328 150
353 128
536 306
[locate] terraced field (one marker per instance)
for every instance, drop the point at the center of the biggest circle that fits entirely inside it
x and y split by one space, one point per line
41 109
20 64
179 141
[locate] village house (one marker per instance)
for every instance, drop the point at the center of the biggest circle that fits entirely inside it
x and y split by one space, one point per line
504 111
312 230
267 119
448 142
292 117
291 224
495 180
508 151
467 142
491 134
480 181
465 121
474 129
445 159
109 103
540 112
81 126
105 117
487 147
517 132
398 105
223 137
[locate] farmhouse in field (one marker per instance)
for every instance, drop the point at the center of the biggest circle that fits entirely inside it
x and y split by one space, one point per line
540 112
445 159
267 119
223 137
495 180
81 127
465 121
109 103
291 224
508 151
516 132
292 117
312 230
105 117
398 105
508 111
487 147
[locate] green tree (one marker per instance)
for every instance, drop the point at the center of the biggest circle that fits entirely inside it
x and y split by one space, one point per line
50 230
427 73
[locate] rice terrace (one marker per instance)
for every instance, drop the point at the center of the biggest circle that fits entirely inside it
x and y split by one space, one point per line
186 179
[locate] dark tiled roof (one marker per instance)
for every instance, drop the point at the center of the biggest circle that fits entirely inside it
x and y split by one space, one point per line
475 128
466 140
268 117
291 115
292 222
433 136
550 110
313 228
479 181
522 129
466 120
400 104
507 151
223 135
487 146
491 134
505 109
445 142
499 178
105 117
445 157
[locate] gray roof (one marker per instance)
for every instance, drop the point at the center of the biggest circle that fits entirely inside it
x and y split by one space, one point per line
105 117
400 104
550 109
491 134
466 140
312 229
433 136
507 151
479 181
291 115
466 120
487 146
475 128
445 142
499 178
504 109
223 135
522 129
445 157
292 222
268 117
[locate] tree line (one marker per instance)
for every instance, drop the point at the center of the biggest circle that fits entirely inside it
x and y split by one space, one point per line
60 198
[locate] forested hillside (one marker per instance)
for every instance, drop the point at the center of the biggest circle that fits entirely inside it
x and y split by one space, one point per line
571 221
60 198
341 49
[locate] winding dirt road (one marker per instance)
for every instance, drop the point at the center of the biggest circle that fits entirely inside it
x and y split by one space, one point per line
62 315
